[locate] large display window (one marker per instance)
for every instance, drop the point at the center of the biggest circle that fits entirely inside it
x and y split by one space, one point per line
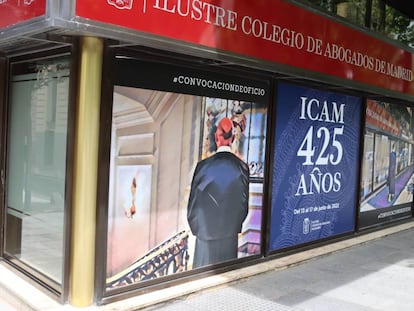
187 163
315 165
388 164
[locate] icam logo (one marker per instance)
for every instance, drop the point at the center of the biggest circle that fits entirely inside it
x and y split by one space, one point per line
306 226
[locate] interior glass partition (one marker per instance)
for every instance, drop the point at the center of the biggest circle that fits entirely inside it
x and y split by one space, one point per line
36 164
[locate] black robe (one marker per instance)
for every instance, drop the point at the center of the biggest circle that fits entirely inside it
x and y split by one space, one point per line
217 207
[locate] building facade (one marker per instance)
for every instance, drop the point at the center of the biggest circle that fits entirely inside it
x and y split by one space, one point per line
148 142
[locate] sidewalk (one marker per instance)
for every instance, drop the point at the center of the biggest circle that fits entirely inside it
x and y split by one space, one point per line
370 272
6 306
377 275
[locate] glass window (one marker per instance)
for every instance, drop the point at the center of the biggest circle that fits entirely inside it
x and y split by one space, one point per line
186 171
36 167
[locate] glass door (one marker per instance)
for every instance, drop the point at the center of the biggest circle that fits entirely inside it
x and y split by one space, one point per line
36 165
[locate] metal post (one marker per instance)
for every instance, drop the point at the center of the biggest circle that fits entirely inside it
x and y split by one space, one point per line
82 261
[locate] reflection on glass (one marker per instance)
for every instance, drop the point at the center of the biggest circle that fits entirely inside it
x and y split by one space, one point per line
381 159
376 15
387 168
367 164
36 167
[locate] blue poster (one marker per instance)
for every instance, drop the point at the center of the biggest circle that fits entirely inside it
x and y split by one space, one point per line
314 186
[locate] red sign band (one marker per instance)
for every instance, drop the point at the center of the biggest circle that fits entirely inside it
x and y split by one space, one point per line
268 30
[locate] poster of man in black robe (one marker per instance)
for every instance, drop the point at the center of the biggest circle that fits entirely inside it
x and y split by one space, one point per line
218 202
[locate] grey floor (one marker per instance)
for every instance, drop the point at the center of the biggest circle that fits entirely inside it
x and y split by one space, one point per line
377 275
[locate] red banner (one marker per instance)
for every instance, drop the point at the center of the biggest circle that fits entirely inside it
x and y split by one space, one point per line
270 30
16 11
